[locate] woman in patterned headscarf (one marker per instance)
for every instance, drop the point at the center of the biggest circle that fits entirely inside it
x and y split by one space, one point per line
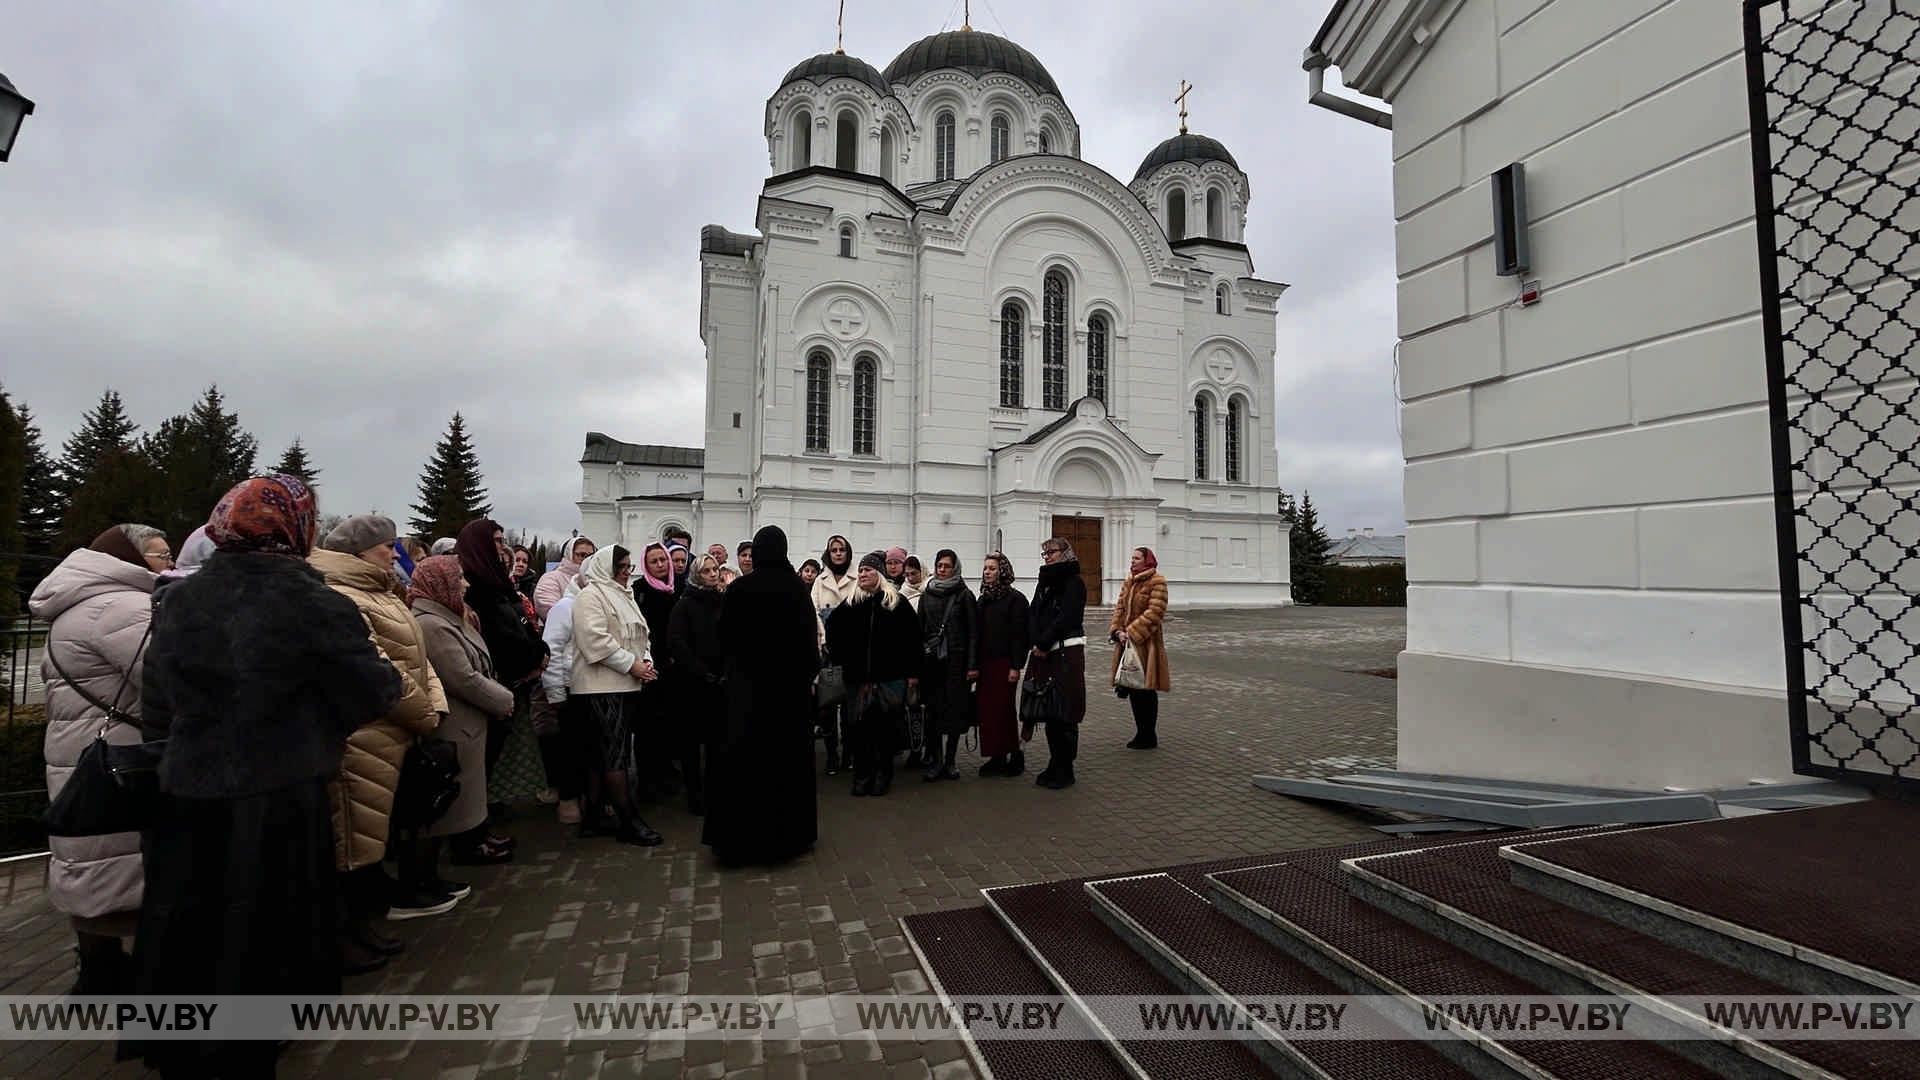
1001 651
256 674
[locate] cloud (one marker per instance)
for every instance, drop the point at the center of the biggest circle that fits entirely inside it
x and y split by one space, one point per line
360 217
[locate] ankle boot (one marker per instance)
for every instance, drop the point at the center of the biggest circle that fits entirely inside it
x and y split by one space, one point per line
883 781
1017 763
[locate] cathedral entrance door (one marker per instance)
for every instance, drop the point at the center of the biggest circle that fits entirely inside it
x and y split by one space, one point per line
1084 534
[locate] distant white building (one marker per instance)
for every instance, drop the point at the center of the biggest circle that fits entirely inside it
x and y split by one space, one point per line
950 331
1361 548
1593 586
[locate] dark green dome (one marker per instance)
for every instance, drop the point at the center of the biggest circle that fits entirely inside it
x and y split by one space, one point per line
839 65
974 52
1184 147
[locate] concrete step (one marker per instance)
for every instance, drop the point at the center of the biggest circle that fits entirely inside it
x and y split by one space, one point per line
1463 895
1179 932
969 953
1302 907
1820 900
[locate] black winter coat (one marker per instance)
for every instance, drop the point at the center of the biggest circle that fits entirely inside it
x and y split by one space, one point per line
256 674
1002 628
943 683
1059 609
515 648
693 633
658 608
872 644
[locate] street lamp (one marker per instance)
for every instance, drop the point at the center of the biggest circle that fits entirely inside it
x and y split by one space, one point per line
14 107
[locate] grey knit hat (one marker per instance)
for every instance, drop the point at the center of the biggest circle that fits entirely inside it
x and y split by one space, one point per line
874 560
360 532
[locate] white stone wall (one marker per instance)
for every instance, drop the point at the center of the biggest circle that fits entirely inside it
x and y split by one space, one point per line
1588 479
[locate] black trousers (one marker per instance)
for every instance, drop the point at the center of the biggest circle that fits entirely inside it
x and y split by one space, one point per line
1146 712
561 756
872 742
1063 745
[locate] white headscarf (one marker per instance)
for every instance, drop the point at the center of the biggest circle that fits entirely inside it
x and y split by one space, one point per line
597 576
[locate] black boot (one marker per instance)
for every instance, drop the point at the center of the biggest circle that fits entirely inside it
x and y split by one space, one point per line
883 777
105 968
1017 763
995 766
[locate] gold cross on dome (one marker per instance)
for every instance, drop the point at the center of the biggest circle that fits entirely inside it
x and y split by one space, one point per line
1181 100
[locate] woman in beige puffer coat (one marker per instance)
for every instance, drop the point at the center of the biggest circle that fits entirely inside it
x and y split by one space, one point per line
100 603
356 559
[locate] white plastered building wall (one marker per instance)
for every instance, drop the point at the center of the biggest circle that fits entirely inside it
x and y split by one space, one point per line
1593 592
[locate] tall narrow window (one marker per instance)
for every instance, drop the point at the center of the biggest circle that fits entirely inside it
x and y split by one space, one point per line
1221 298
943 146
1046 143
802 139
1176 214
1013 357
1053 344
1097 359
1216 214
1236 416
865 404
886 154
846 241
846 142
819 401
1000 136
1202 420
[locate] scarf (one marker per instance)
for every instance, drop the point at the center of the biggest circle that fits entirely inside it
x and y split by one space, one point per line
438 579
193 555
655 583
113 541
265 515
479 559
598 573
1147 556
826 560
568 563
1001 581
701 562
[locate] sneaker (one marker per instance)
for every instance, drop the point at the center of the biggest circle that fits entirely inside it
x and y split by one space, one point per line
568 810
458 890
420 905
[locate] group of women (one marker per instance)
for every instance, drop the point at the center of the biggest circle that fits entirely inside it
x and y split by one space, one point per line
918 650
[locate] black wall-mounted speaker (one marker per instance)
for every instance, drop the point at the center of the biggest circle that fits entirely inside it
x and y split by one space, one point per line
1510 255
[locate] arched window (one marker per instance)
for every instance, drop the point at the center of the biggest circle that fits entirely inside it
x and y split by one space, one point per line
886 154
1176 214
819 401
943 146
1000 135
1222 299
865 404
1013 357
1097 358
1202 420
1216 214
1046 143
846 142
1053 342
1236 416
846 241
802 139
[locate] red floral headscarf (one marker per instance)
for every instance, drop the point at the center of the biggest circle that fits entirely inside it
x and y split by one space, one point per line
438 579
1147 556
272 515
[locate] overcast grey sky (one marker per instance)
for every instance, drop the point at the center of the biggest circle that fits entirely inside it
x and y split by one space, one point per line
358 217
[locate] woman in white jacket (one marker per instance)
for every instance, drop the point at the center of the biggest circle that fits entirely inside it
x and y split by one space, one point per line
554 719
834 585
611 663
100 602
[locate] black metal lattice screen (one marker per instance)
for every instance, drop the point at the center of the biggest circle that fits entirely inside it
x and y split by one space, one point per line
1836 114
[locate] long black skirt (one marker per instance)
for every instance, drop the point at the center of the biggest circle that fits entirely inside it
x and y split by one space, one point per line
760 793
240 899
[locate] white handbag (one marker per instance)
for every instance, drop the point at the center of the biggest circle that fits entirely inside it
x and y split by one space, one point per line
1131 674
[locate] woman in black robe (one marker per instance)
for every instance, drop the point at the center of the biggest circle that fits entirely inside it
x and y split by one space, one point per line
760 794
663 748
518 652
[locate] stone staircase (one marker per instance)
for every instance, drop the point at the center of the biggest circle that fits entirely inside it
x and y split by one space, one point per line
1813 901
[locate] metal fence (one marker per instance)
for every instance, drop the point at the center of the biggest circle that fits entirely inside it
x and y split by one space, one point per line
1835 115
23 781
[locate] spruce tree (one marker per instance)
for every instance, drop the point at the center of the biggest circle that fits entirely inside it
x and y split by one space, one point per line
451 494
296 463
120 487
196 457
13 469
1309 544
41 506
103 428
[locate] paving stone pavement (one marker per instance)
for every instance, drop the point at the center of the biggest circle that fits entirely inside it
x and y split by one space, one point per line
1253 692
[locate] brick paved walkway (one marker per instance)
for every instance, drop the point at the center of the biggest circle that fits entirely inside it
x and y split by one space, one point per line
1253 692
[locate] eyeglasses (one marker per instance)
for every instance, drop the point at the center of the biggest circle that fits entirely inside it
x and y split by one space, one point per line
622 567
163 556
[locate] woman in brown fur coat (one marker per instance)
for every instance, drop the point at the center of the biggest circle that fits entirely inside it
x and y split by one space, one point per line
1138 616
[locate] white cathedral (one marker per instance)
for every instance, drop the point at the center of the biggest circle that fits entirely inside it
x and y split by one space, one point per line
948 330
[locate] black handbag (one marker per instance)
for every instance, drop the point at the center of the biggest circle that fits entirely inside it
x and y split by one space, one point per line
429 782
830 688
114 786
1041 699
